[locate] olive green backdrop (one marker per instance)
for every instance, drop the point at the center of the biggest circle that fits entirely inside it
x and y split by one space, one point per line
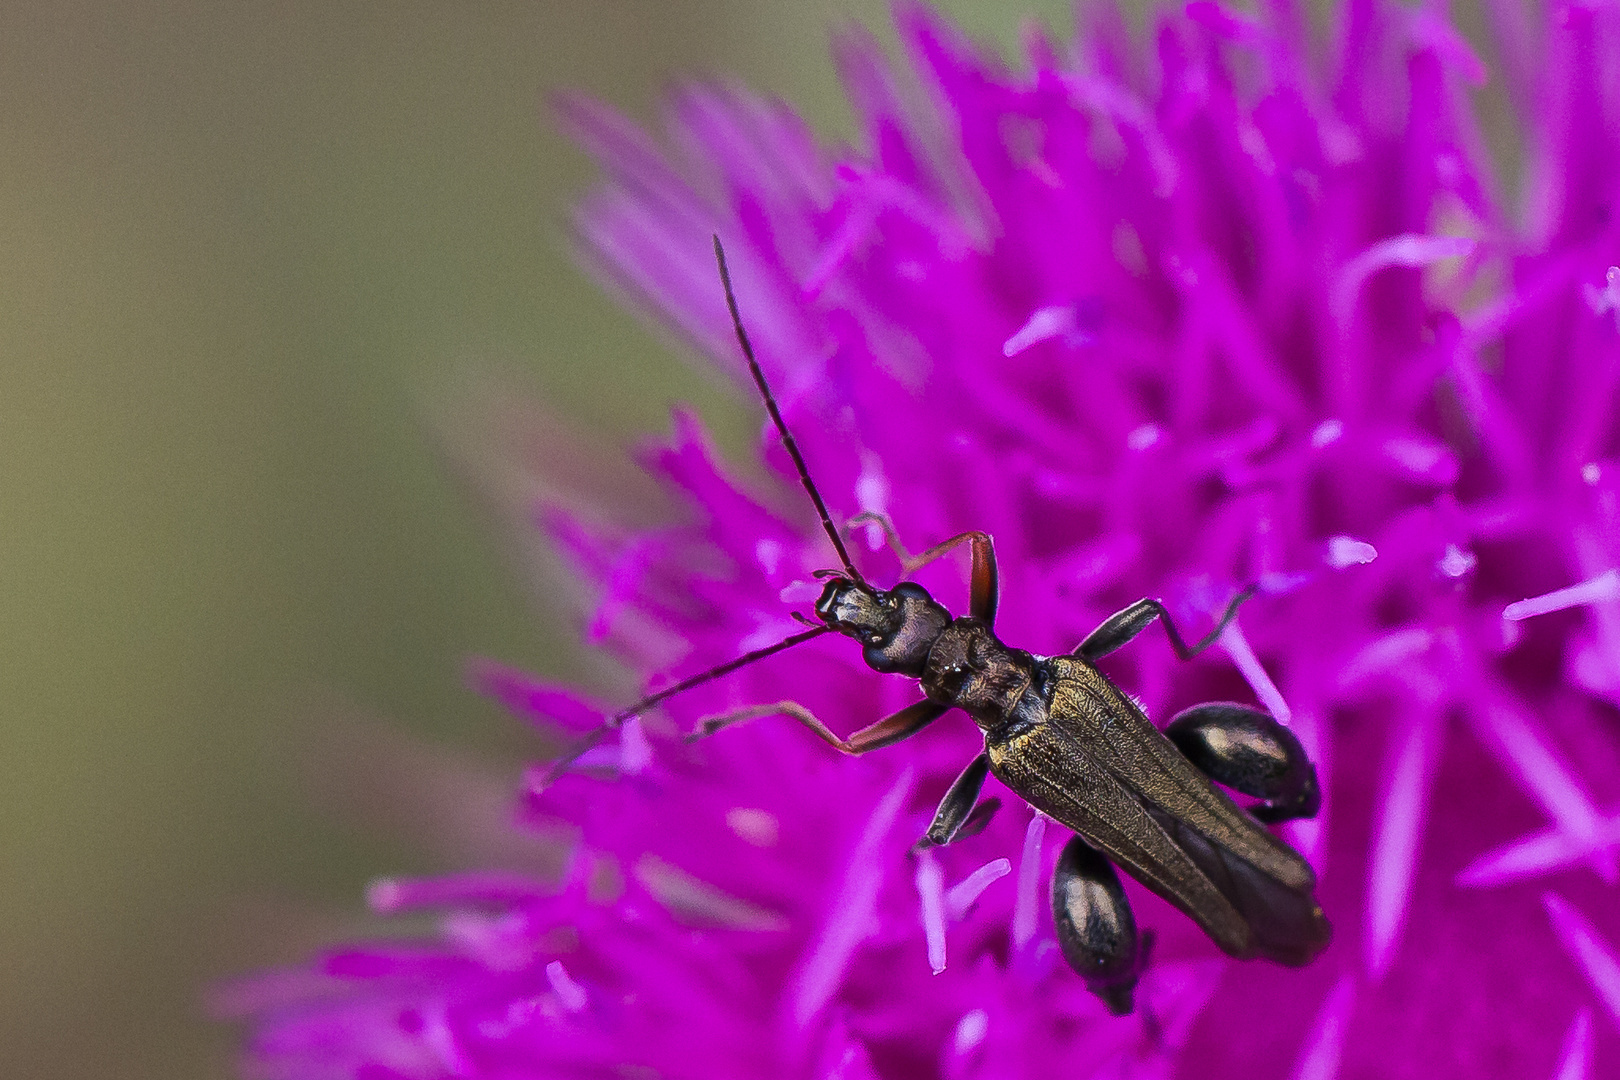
243 253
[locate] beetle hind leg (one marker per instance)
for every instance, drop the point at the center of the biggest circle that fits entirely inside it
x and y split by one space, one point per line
1095 928
1249 751
1123 625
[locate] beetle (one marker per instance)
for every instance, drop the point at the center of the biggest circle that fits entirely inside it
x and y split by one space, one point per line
1072 744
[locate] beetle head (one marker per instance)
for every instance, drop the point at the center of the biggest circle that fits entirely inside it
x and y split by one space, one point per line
857 609
897 626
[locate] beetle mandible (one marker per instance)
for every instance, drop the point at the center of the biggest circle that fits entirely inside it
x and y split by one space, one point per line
1059 733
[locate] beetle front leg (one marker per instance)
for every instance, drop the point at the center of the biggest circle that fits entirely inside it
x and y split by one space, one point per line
1122 626
985 583
886 732
1095 928
1249 751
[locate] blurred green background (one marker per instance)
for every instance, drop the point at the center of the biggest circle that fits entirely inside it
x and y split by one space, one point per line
246 253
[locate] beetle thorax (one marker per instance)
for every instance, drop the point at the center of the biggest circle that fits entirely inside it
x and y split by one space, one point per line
970 668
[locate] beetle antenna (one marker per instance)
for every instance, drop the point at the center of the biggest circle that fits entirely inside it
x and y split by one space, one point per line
618 719
726 668
776 418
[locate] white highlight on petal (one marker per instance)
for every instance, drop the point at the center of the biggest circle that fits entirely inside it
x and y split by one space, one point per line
1607 299
1044 324
1126 244
1545 777
386 895
1279 583
1029 878
1143 437
1538 853
1122 106
852 916
1438 34
635 752
1237 647
1402 813
971 1030
441 1038
931 892
569 993
1594 956
1591 472
872 491
518 1014
1575 1059
1327 433
1606 586
768 553
757 827
499 942
1596 664
852 1062
1346 551
963 895
1254 145
1424 459
1456 562
1510 634
1385 655
800 592
1340 143
838 250
1324 1045
1403 249
691 897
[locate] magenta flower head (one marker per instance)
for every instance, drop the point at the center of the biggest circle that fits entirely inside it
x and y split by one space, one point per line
1165 322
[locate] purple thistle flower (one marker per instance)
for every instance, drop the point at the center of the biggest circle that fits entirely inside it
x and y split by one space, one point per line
1164 324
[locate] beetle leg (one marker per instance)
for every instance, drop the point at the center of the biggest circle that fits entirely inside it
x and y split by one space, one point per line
985 591
890 535
961 814
1122 626
978 820
1095 928
1249 751
903 724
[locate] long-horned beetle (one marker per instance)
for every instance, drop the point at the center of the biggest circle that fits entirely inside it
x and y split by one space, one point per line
1078 749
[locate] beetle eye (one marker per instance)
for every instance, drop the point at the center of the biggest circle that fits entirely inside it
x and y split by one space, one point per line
874 639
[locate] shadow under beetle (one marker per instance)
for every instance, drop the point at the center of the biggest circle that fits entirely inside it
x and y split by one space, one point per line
1078 749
